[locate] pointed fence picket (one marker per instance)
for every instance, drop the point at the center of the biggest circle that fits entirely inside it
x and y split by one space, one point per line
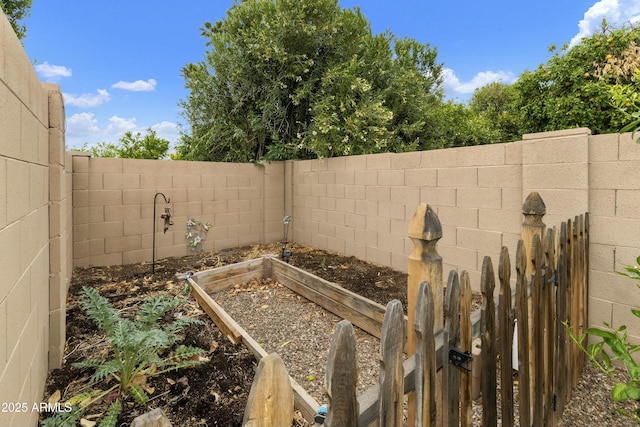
549 363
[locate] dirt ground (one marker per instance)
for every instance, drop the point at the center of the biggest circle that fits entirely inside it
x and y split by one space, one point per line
215 393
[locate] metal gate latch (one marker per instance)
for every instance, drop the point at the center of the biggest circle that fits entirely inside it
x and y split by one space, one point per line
460 358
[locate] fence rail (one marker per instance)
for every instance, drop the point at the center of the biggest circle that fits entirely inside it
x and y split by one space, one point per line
550 291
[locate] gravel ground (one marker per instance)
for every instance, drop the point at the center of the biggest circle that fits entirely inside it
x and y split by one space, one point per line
300 332
592 404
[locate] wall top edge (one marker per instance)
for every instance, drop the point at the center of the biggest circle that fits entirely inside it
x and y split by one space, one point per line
51 87
557 133
81 153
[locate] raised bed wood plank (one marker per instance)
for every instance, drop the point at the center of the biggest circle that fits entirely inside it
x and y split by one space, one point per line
218 279
303 401
223 321
360 311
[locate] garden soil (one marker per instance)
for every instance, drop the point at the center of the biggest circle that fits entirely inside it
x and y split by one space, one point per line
215 393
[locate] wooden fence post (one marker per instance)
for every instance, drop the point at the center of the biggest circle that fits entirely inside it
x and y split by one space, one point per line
451 374
585 281
538 308
424 264
551 414
522 304
270 402
562 315
582 273
573 229
488 337
425 373
342 378
506 338
466 338
533 210
391 372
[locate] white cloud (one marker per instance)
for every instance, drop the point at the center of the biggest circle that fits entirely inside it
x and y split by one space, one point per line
454 86
616 12
87 100
52 72
85 128
119 125
137 86
82 125
167 130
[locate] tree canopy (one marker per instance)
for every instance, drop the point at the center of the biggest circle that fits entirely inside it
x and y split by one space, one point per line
16 11
495 103
575 87
300 79
295 79
133 146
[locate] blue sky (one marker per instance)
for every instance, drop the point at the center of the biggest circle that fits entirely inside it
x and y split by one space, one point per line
118 62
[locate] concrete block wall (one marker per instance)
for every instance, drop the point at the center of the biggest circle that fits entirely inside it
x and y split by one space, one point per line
60 226
28 109
113 202
556 164
614 205
362 205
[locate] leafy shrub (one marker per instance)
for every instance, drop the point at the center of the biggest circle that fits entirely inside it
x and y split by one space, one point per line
139 351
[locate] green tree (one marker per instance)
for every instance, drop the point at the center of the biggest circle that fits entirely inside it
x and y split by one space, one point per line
456 125
301 79
376 102
496 103
133 146
625 93
573 89
16 11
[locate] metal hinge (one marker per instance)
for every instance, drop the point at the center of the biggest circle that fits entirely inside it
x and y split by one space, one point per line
460 358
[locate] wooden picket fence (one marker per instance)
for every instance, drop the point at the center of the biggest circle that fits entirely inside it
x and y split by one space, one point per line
550 291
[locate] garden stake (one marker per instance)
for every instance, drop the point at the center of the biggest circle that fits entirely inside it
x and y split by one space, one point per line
167 222
286 255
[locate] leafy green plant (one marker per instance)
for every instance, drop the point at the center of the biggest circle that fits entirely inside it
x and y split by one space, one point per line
616 340
627 100
572 89
139 350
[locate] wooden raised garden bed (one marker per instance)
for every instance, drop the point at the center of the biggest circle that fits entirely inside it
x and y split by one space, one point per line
360 311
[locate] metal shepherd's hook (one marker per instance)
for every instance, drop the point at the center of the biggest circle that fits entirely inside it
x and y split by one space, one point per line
167 222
